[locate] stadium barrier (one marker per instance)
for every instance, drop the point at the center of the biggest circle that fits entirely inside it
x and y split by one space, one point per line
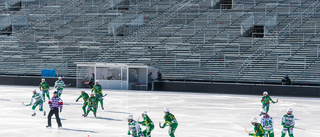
236 88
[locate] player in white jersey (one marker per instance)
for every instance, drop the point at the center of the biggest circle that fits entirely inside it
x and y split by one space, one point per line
266 122
38 101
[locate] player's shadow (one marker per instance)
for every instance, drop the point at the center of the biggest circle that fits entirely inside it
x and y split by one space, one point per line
105 118
60 118
78 104
118 112
79 130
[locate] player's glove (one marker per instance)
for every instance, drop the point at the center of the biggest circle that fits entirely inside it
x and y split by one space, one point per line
129 133
77 100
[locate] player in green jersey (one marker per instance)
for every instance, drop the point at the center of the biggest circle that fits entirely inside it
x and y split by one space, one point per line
38 101
85 98
97 89
92 105
266 99
288 123
258 129
59 84
170 120
134 127
44 87
148 123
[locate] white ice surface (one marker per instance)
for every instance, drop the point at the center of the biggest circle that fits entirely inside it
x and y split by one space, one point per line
198 115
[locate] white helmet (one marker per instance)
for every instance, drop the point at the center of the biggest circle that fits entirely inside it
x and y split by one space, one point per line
97 81
130 117
144 112
43 79
82 90
289 109
166 110
263 111
254 120
59 78
265 92
35 90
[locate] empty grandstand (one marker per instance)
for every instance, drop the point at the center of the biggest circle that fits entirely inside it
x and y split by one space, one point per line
207 40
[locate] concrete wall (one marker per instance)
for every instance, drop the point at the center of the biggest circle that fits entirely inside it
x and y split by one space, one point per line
33 81
252 89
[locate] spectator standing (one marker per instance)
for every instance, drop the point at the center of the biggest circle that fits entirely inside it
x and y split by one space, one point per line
159 76
91 82
150 81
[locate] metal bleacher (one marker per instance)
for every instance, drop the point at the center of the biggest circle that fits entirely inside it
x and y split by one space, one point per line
185 39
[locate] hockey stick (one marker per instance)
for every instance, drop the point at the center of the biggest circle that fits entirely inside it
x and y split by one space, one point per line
105 95
277 101
25 104
160 125
248 131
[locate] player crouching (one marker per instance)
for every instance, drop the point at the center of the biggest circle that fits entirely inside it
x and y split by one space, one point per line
258 129
134 127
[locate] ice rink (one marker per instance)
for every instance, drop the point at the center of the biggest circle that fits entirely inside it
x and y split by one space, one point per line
198 114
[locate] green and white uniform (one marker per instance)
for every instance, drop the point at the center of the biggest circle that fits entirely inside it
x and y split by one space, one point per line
59 84
97 89
92 105
288 123
266 102
134 129
267 124
38 101
44 87
258 131
172 122
149 125
85 98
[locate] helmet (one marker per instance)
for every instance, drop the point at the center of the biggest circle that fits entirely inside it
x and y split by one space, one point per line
289 109
35 90
97 81
144 112
263 111
43 79
130 117
82 90
254 120
166 110
55 92
59 77
92 93
265 92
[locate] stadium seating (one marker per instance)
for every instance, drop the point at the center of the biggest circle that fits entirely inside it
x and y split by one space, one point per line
185 39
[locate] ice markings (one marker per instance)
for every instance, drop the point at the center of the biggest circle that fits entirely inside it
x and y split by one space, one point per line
4 99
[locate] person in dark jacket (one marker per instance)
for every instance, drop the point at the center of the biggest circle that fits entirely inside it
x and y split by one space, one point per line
91 82
150 81
159 76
